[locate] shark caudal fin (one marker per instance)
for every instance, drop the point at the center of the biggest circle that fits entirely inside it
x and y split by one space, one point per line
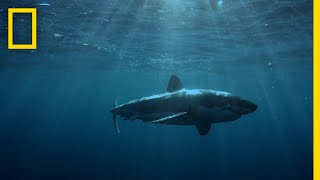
114 116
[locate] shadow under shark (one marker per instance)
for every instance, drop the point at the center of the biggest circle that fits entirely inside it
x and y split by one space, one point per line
180 106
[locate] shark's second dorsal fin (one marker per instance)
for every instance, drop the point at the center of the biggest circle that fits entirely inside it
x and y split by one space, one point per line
174 84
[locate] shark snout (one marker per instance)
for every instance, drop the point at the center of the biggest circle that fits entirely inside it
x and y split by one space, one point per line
247 106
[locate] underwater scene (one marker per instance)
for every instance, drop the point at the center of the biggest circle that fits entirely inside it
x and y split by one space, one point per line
158 89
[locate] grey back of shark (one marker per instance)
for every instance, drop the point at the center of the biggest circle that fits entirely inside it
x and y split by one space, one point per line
180 106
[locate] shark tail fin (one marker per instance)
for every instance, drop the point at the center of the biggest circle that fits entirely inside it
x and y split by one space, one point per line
114 116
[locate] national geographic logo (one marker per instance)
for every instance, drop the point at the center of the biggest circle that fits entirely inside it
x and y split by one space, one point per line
33 12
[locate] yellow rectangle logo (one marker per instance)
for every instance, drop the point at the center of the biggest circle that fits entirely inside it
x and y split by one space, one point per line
33 44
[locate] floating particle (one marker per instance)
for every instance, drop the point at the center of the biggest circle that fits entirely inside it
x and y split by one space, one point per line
57 35
44 4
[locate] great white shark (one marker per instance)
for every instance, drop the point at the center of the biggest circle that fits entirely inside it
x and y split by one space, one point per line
180 106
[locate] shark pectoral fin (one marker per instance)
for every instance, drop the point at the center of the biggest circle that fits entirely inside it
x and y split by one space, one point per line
203 127
174 84
171 118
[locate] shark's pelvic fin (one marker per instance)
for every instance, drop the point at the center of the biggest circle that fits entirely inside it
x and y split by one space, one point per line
170 118
203 127
174 84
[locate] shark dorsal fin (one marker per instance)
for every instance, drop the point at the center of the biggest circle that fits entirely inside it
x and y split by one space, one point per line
174 84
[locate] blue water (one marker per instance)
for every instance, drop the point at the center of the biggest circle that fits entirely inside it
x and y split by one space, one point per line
55 101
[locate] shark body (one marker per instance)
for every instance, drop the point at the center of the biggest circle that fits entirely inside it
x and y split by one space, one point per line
180 106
